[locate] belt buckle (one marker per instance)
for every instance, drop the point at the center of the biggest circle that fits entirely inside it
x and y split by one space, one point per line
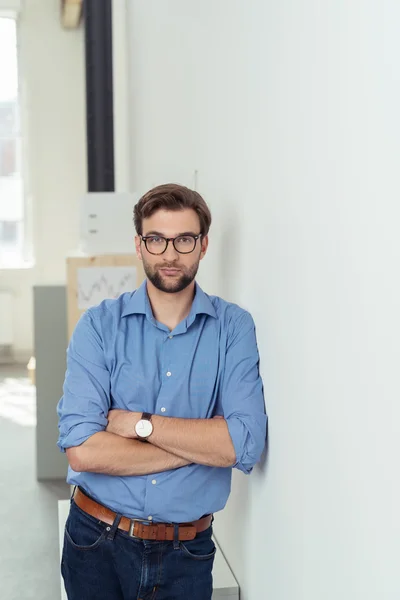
132 525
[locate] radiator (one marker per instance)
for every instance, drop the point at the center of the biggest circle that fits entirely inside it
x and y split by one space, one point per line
6 327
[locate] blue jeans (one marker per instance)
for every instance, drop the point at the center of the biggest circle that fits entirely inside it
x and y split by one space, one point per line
104 563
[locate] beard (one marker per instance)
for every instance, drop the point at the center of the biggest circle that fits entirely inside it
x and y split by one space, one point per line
175 285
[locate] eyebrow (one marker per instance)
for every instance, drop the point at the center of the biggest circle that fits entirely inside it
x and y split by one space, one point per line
164 236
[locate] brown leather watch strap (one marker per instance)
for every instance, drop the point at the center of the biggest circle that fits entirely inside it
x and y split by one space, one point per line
144 530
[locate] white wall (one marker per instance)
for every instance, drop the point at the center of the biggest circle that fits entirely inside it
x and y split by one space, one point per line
289 111
52 85
10 5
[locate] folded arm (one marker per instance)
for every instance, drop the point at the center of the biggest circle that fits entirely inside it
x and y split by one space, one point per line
201 441
111 454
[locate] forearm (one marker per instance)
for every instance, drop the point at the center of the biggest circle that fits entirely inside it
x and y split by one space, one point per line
201 441
112 454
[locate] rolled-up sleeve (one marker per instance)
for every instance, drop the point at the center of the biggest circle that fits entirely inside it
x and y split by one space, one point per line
85 403
242 395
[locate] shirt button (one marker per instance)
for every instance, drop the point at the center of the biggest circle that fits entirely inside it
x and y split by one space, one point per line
163 409
170 337
154 481
149 518
169 374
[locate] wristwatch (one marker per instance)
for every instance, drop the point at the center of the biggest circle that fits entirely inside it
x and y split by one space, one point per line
144 427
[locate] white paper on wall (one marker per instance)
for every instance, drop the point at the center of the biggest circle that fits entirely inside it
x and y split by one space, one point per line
106 223
98 283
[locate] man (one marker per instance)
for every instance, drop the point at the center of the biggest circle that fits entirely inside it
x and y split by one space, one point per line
162 397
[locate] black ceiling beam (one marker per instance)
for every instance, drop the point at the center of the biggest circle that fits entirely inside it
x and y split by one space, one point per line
99 95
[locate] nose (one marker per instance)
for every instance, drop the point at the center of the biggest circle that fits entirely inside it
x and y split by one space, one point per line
170 254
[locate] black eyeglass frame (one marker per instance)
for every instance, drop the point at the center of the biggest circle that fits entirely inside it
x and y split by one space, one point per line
168 240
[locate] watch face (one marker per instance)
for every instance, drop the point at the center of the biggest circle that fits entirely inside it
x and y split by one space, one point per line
144 428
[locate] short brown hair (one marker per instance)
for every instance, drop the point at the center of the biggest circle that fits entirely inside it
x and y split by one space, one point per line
171 196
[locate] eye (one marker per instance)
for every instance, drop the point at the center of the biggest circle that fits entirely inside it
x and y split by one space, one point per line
185 240
154 239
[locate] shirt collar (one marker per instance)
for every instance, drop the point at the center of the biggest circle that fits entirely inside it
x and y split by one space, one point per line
139 303
202 304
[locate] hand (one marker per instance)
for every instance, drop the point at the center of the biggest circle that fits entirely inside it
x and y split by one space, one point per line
122 422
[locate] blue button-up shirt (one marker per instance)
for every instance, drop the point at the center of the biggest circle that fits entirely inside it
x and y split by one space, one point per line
119 356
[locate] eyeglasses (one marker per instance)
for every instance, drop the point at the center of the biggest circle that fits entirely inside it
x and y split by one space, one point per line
184 244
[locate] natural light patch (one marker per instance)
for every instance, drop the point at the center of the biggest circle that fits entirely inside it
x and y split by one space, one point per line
18 401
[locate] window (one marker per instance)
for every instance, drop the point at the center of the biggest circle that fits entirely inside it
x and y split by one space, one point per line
12 206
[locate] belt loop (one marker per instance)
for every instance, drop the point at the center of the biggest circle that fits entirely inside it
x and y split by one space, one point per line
114 527
176 536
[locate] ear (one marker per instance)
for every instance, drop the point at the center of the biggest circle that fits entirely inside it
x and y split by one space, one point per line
204 246
138 247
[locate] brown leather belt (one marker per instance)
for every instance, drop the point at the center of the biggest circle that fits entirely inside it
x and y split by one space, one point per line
144 530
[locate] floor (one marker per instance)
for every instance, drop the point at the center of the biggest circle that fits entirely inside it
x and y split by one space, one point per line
29 551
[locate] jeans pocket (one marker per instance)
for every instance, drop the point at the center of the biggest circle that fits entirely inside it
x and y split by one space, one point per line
82 531
201 548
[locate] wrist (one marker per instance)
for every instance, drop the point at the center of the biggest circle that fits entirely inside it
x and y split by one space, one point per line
144 426
135 419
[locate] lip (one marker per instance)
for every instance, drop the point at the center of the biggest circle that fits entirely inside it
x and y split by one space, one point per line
170 272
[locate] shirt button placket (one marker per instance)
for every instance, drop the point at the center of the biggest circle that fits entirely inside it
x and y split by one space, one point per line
168 372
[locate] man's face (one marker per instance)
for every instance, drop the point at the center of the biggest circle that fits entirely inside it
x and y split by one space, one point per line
171 271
